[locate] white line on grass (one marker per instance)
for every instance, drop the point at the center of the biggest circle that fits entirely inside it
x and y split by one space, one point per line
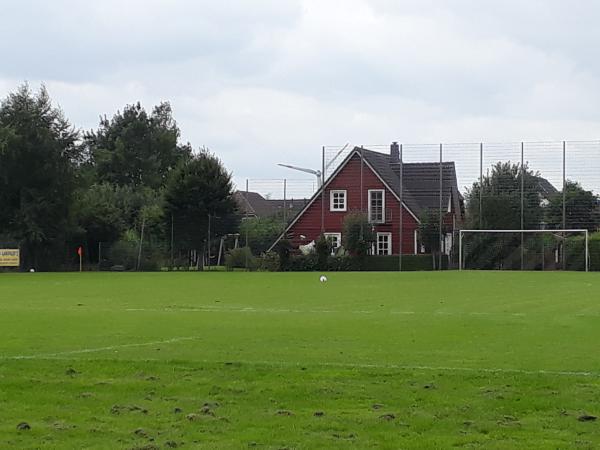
247 310
419 367
99 349
60 356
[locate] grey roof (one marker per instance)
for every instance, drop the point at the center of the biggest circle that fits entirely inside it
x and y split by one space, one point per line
421 181
546 188
256 205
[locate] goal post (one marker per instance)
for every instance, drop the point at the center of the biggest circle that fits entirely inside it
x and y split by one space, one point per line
557 233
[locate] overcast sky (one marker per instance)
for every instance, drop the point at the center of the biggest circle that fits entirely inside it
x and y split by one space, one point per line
261 82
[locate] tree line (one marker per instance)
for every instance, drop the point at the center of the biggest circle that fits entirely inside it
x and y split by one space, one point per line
131 180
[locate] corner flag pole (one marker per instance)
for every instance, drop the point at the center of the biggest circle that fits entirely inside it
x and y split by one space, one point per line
80 253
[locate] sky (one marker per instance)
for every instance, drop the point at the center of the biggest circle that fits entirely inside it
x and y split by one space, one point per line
263 82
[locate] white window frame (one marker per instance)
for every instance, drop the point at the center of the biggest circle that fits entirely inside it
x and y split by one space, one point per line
382 205
389 246
331 203
338 236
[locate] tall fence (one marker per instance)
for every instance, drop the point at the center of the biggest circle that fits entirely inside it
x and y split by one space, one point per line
500 186
550 186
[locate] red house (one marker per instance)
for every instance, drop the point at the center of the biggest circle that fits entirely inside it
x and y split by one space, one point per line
369 182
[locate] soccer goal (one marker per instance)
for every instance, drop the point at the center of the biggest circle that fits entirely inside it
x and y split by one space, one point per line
524 249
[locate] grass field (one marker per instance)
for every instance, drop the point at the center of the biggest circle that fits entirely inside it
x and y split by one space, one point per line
245 360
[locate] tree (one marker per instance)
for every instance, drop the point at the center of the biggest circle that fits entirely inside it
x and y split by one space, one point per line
198 188
581 209
137 149
38 160
500 197
500 194
261 232
358 235
104 212
429 229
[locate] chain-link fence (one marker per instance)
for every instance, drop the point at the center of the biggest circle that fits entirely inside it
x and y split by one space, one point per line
448 192
488 186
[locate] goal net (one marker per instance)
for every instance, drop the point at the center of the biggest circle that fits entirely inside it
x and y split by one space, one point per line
523 249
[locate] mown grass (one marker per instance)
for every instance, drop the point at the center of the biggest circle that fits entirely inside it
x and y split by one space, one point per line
411 360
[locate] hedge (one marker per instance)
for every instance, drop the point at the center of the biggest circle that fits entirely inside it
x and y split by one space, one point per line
575 251
309 263
410 263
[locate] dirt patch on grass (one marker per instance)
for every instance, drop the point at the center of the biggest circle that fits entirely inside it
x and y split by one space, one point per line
118 409
587 418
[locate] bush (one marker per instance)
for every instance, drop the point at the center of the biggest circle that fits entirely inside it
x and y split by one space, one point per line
343 264
269 262
357 235
124 252
410 263
240 258
575 252
284 249
323 251
302 263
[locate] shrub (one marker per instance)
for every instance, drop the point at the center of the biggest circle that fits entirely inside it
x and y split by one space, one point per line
575 252
124 252
323 251
269 262
284 248
240 258
357 235
303 263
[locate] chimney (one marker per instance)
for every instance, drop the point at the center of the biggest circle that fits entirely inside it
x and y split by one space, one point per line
394 153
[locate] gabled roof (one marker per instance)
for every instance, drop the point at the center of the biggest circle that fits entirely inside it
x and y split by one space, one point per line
255 204
421 181
546 188
421 184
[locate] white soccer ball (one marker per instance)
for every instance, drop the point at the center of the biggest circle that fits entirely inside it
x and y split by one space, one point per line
323 279
32 270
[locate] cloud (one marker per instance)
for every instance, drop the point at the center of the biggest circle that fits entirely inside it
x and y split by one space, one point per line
269 81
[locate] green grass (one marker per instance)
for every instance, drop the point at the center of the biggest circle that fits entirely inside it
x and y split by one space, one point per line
473 359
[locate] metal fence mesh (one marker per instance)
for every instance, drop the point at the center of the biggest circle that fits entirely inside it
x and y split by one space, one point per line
502 186
510 185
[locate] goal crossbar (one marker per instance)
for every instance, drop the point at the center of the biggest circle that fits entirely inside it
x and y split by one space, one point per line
575 230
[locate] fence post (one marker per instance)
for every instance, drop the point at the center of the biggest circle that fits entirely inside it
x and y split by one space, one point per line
284 201
141 242
564 205
481 186
246 250
522 203
460 251
587 251
441 220
401 210
323 190
362 210
172 241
